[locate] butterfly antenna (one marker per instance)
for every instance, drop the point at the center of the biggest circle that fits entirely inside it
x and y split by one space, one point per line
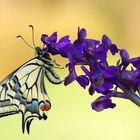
32 34
19 36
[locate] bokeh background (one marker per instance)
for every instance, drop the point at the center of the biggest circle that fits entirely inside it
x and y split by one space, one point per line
71 117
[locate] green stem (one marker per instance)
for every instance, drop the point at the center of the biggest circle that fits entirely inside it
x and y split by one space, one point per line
131 95
120 95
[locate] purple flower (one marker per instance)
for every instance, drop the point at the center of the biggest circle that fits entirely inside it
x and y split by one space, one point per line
72 73
82 48
50 42
64 46
89 50
136 73
99 75
101 53
86 71
114 49
135 61
107 85
104 47
126 78
79 45
102 103
70 78
127 75
81 34
111 72
107 44
49 39
106 41
83 81
124 56
91 89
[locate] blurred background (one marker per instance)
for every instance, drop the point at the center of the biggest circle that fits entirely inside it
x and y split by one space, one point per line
71 117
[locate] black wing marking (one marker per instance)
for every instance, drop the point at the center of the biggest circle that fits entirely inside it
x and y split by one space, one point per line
24 91
52 76
11 74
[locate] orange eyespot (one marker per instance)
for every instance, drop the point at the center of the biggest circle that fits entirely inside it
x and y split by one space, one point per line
48 106
42 106
45 106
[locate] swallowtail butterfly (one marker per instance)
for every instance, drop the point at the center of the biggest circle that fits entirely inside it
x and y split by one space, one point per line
24 89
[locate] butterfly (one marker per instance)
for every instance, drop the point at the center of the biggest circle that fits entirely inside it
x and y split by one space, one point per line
23 91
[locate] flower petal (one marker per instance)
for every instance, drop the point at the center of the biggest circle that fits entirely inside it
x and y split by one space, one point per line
124 56
83 81
114 49
135 61
111 72
106 41
64 46
81 34
104 87
70 78
44 38
86 71
53 37
101 53
91 89
102 103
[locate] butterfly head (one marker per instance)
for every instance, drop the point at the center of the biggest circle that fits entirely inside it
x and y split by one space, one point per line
41 53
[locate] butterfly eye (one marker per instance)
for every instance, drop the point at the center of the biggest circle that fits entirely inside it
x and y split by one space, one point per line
39 51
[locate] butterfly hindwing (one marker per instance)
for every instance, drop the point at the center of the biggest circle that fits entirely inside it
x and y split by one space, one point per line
24 91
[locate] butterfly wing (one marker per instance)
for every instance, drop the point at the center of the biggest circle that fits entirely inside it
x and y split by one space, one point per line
24 91
52 76
5 105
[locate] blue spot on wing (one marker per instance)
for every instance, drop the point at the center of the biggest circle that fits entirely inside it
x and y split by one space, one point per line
18 95
23 101
35 107
15 79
